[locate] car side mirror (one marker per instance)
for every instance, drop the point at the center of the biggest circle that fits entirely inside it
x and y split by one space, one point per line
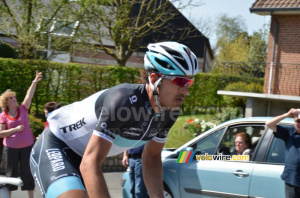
185 149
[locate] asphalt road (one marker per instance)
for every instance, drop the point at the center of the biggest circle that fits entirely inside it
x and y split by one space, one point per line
113 180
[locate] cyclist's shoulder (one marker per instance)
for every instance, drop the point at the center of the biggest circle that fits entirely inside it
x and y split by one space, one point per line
126 90
124 94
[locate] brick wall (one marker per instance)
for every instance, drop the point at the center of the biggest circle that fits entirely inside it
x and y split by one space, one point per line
286 70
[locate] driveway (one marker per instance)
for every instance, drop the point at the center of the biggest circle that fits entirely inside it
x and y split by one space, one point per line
113 180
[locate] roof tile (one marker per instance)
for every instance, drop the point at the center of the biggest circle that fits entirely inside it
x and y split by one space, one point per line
276 4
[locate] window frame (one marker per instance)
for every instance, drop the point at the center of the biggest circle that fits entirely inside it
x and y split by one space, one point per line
52 27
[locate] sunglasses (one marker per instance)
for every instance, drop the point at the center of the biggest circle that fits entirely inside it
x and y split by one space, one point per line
180 81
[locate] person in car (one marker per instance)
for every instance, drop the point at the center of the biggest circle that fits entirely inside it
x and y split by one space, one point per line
242 143
291 136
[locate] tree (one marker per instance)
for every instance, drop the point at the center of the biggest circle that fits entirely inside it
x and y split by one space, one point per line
258 46
120 27
239 53
31 22
205 25
7 51
229 28
236 50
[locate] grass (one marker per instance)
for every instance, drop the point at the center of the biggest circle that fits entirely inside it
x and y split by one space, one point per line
178 135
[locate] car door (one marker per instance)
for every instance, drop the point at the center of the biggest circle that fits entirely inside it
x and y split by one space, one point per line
218 178
265 180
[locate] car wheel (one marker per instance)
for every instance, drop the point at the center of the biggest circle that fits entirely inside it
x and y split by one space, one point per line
167 192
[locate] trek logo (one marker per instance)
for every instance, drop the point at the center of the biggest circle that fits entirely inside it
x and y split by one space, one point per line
74 126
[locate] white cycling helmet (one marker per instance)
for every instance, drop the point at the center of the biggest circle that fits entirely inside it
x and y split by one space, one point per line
171 58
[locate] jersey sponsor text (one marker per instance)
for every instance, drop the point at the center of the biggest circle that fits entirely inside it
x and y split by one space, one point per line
56 160
74 126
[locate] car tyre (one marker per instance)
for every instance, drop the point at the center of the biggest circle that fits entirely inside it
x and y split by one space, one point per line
167 192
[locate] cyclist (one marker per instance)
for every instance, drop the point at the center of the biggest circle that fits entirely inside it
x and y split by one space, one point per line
81 135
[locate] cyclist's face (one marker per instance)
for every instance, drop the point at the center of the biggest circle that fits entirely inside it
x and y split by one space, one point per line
172 95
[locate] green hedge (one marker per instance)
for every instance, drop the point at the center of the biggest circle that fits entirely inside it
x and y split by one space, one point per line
7 51
66 83
203 93
242 87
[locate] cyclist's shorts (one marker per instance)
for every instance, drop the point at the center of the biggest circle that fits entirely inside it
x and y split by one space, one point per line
54 166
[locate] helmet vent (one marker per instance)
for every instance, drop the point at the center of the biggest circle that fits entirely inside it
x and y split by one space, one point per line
177 56
187 50
196 64
164 64
148 58
182 62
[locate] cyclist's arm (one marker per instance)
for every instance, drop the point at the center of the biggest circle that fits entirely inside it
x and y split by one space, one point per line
91 166
152 168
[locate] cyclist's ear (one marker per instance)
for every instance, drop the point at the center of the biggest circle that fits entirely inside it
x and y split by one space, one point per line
153 77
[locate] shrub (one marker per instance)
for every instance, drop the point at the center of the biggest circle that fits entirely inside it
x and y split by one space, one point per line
36 125
229 113
196 127
67 83
7 51
242 87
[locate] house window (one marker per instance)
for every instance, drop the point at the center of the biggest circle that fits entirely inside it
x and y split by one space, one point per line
58 27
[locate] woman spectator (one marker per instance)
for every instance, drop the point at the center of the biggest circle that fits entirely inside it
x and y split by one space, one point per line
243 143
18 137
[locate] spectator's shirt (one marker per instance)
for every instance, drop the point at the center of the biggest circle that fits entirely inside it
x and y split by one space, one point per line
138 150
121 115
291 173
20 139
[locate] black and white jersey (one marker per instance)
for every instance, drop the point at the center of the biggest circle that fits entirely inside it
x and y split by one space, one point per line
121 115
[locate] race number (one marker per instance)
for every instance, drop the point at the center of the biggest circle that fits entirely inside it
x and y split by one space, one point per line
133 99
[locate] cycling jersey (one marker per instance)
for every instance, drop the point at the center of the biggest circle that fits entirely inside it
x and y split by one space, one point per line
121 115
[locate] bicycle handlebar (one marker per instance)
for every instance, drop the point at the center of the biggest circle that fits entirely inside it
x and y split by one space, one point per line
11 180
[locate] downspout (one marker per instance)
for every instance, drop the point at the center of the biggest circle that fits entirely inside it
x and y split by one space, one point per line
272 65
273 56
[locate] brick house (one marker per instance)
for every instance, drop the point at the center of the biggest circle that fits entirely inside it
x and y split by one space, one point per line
198 43
284 45
281 84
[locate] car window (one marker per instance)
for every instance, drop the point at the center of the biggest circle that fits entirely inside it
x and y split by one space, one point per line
208 144
276 153
227 146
